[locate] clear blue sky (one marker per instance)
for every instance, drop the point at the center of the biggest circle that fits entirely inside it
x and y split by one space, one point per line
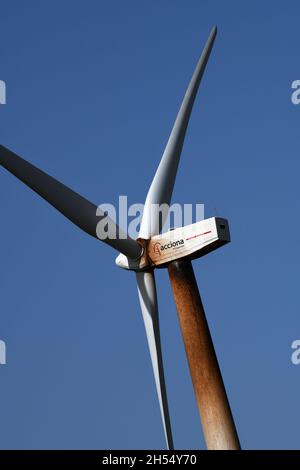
92 92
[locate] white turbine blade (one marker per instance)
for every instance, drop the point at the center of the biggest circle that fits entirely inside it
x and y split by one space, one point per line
148 300
74 207
161 189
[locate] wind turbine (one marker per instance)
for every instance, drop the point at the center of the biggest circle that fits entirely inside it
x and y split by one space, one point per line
173 250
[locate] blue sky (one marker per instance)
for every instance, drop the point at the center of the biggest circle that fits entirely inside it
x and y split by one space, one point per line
93 89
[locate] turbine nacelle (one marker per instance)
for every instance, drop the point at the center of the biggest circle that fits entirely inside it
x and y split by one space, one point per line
191 241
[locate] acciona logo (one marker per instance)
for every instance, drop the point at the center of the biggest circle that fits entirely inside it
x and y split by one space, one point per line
158 247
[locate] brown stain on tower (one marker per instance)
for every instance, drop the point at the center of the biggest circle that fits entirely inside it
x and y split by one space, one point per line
216 417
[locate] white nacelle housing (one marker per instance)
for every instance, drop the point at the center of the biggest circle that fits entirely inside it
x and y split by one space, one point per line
192 241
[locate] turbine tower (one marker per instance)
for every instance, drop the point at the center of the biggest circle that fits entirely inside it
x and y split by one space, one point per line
173 250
